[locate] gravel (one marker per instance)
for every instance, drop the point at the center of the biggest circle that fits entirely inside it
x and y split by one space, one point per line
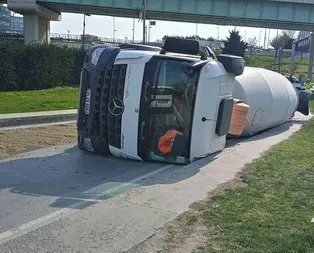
13 142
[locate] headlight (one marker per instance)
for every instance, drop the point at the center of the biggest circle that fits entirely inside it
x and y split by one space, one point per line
96 54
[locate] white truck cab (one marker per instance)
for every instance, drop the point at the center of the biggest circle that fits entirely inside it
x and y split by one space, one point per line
150 104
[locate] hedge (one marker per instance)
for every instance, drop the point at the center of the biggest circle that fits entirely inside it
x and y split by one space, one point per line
35 67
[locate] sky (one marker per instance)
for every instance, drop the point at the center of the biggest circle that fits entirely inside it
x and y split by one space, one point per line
102 26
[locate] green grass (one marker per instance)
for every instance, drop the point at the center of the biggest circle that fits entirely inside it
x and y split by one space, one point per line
272 212
42 100
67 97
268 61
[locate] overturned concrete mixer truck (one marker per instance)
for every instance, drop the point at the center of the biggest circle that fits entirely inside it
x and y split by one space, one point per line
176 104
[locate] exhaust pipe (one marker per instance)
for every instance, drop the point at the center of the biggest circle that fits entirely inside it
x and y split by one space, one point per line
304 100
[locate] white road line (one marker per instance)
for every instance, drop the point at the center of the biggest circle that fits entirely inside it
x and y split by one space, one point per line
45 220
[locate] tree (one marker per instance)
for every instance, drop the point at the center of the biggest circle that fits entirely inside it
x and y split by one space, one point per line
276 43
283 41
252 42
287 41
193 37
234 44
291 33
168 36
211 39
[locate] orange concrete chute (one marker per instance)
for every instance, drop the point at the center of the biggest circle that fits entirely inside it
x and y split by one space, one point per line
239 117
165 142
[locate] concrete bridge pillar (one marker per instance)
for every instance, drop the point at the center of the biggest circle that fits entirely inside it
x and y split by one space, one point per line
36 29
36 20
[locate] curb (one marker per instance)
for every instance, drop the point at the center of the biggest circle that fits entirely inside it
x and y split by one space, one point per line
34 118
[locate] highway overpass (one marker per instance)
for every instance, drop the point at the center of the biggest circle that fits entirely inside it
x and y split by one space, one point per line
280 14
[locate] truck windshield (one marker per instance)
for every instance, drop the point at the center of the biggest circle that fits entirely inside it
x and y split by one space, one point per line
171 102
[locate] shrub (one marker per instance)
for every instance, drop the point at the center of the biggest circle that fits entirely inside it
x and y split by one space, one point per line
36 67
8 77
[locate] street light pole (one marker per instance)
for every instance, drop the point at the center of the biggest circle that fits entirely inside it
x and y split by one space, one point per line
133 29
260 38
114 29
144 21
148 36
13 23
268 38
218 32
265 38
83 46
84 32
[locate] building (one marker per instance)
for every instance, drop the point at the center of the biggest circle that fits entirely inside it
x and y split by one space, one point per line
17 24
10 23
303 41
5 21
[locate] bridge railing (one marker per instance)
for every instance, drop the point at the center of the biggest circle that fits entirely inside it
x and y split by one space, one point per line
92 39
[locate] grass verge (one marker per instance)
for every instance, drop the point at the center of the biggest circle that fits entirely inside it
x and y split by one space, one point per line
268 207
67 97
268 61
41 100
273 210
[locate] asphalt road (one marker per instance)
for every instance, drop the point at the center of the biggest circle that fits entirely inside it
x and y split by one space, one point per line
44 181
62 200
41 187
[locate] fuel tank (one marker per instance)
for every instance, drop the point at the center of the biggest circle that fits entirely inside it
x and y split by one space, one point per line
271 97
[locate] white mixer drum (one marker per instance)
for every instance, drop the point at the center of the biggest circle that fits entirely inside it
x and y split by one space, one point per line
271 97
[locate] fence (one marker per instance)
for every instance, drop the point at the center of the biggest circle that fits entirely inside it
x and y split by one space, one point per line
72 40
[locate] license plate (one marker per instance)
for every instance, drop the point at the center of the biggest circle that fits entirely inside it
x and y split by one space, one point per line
87 102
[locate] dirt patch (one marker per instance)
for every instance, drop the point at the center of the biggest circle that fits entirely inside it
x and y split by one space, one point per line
188 233
18 141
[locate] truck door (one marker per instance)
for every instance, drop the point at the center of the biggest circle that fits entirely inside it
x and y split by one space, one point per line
167 108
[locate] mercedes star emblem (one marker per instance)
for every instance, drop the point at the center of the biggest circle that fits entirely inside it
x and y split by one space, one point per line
116 106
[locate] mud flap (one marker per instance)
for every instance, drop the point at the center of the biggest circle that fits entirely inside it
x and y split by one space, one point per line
304 100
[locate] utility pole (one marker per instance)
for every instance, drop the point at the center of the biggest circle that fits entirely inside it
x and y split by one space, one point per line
148 36
114 29
13 23
277 44
144 21
84 32
310 70
260 38
84 24
196 28
268 38
292 58
218 32
133 29
265 39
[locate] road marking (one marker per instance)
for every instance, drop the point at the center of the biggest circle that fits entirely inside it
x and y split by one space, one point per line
45 220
